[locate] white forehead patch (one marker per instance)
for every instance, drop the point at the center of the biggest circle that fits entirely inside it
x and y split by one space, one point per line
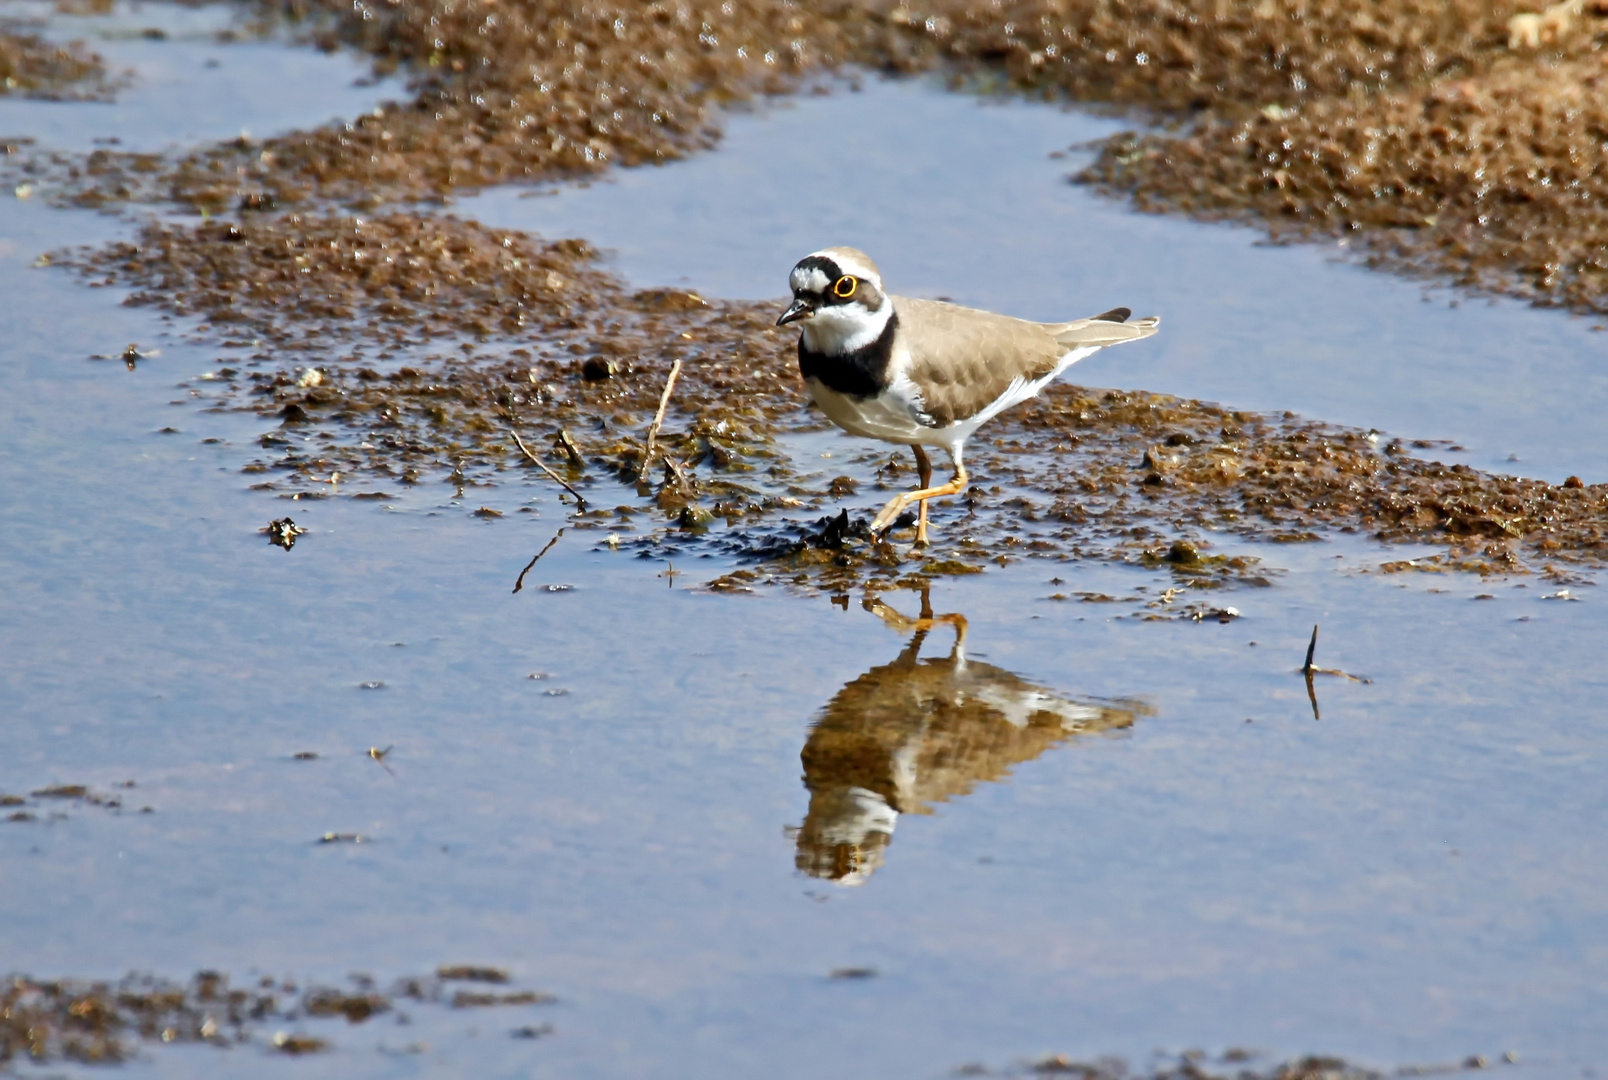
846 261
810 280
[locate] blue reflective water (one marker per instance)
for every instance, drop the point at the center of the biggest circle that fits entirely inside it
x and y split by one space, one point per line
1418 876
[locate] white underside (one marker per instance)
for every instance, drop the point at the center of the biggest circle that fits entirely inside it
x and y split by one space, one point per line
895 415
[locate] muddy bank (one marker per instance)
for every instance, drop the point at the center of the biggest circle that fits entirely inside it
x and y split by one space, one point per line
399 349
1456 140
30 66
1438 135
1491 179
500 94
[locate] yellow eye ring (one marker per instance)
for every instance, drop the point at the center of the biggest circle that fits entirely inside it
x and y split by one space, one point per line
844 287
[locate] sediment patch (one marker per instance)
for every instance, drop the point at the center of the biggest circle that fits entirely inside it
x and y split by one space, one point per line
30 66
102 1022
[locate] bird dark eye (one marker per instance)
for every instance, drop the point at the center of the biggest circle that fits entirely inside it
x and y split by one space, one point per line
844 287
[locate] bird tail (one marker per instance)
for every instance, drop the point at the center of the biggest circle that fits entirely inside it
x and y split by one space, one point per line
1108 328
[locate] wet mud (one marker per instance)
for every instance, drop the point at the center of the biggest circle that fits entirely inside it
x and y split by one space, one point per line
31 66
1489 179
401 349
100 1022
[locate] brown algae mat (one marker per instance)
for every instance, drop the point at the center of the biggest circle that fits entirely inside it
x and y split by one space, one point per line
101 1022
401 349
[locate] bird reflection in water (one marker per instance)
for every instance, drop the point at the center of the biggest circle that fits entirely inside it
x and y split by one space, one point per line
915 732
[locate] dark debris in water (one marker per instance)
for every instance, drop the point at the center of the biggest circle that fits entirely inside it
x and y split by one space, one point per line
103 1022
47 803
472 973
414 345
283 532
1233 1064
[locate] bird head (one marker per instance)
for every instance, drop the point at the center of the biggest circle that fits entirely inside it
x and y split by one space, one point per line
838 297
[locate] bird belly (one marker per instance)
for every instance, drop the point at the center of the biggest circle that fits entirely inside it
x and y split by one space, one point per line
887 416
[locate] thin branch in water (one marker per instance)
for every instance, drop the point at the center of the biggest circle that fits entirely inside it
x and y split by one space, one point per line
520 583
379 755
658 418
1310 669
677 473
542 465
563 439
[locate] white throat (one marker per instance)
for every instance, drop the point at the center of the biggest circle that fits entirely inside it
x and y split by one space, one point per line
834 331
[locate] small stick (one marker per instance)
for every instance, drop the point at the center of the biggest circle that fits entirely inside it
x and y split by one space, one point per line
1310 669
570 448
520 583
658 418
674 468
542 465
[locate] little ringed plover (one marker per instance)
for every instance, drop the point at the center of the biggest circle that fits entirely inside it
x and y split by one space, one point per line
921 373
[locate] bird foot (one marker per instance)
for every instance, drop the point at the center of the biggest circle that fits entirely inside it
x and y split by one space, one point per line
889 516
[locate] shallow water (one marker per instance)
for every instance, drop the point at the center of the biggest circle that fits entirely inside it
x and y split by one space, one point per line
960 198
187 86
1418 876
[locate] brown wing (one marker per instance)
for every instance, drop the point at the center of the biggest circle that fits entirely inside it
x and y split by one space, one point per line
964 359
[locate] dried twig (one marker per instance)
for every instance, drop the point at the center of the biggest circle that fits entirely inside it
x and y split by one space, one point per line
658 418
542 465
677 473
520 582
563 439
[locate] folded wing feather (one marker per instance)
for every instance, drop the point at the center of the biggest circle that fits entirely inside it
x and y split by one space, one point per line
964 359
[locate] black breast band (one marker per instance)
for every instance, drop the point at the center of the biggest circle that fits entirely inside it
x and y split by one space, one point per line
861 373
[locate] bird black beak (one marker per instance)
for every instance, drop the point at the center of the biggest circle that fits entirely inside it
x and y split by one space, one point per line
799 309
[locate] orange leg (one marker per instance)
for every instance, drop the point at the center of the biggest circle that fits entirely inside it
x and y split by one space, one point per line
898 504
924 472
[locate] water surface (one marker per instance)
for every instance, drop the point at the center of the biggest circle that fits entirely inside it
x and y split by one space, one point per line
1417 876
